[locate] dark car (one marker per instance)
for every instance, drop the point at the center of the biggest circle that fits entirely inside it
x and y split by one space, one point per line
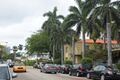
49 68
11 64
79 69
65 68
103 72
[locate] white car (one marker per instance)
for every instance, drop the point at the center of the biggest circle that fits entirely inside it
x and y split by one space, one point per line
5 73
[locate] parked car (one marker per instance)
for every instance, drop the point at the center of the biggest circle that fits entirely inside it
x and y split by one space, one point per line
1 61
35 65
58 68
5 73
49 68
19 67
79 69
103 72
11 64
65 68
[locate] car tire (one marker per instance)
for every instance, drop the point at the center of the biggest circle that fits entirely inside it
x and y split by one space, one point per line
102 77
40 70
77 74
88 76
70 73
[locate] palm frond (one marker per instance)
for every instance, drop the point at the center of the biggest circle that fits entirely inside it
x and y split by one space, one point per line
60 17
74 10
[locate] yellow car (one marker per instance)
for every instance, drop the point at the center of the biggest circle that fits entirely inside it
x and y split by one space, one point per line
19 68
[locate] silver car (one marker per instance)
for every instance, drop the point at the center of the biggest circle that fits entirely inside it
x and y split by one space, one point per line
49 68
5 73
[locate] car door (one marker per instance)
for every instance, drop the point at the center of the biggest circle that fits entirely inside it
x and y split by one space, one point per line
98 70
75 69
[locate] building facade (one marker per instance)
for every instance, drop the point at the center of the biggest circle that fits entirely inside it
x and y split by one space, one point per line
78 49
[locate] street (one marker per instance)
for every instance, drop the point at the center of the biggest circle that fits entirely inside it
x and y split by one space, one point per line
35 74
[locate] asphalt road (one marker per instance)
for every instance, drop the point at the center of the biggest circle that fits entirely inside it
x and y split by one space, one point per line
35 74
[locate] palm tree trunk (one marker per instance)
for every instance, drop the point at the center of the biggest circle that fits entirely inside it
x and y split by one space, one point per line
104 44
83 43
53 53
62 53
109 48
73 50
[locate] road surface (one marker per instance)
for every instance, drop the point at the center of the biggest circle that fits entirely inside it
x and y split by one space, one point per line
35 74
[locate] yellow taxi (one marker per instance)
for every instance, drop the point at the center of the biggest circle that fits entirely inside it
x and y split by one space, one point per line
19 67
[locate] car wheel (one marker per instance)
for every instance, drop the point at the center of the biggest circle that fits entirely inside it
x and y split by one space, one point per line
40 70
88 75
102 77
70 73
77 74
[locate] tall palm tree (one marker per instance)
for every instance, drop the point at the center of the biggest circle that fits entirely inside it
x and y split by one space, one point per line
78 17
52 26
107 11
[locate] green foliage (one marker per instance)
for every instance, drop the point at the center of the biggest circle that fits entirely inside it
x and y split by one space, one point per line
97 54
38 42
20 47
86 61
68 62
29 62
118 65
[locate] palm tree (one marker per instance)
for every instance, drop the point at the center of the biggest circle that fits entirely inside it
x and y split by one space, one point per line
52 26
107 11
78 17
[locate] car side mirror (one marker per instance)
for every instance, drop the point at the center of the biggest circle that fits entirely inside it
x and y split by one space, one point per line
14 75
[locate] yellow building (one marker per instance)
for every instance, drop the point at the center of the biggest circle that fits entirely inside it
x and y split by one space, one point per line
78 49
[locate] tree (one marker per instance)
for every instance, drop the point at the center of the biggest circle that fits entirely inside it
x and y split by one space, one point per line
78 17
2 51
38 43
107 12
53 28
20 47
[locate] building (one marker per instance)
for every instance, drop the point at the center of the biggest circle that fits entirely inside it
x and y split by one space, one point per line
41 56
78 49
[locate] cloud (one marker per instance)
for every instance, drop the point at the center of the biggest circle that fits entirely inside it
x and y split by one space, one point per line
20 18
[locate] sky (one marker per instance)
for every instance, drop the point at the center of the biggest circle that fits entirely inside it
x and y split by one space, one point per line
21 18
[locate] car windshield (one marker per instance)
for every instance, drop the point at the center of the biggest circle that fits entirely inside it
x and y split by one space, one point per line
77 65
4 73
19 64
50 64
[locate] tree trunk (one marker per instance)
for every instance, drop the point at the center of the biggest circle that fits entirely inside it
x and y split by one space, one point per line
109 48
104 44
62 53
83 43
53 54
73 50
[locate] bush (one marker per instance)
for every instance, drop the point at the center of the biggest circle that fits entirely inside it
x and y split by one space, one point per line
29 62
86 61
118 65
68 62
